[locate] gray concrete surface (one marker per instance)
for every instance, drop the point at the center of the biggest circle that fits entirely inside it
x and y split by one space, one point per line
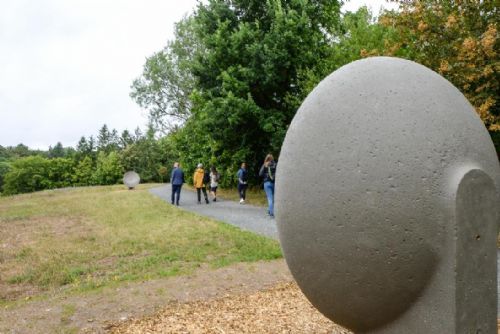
245 216
386 202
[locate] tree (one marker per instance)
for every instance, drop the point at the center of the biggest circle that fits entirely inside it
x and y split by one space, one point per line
359 36
247 76
4 169
459 40
165 86
57 151
144 157
109 169
83 172
126 139
27 174
103 139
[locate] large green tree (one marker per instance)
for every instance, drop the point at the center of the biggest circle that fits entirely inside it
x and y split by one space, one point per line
247 75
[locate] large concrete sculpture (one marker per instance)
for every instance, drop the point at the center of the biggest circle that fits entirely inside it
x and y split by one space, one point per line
387 202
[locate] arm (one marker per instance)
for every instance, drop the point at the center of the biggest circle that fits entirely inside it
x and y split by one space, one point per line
261 172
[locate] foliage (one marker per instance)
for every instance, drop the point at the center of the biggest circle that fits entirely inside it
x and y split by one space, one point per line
246 71
109 169
166 83
144 157
37 173
459 40
83 172
4 169
359 36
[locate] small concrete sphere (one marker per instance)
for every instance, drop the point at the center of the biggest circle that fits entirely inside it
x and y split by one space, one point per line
367 183
131 179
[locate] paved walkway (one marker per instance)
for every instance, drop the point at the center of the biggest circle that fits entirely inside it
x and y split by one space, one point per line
245 216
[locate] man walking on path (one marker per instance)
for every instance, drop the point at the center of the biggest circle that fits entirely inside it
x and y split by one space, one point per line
176 180
242 182
199 183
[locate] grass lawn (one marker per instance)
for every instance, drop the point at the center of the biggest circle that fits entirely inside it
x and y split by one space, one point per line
85 238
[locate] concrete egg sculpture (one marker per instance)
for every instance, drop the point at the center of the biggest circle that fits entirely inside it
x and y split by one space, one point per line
387 202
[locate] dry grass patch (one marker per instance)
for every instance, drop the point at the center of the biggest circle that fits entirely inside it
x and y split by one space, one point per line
86 238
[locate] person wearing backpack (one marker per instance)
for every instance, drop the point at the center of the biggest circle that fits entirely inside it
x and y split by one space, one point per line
199 182
242 182
214 182
268 173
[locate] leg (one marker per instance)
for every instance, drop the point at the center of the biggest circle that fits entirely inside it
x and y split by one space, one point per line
178 194
198 192
244 192
240 187
204 189
269 189
173 193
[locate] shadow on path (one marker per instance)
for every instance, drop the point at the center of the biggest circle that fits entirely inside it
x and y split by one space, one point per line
245 216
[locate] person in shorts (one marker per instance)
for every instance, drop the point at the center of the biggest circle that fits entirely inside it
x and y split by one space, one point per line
214 182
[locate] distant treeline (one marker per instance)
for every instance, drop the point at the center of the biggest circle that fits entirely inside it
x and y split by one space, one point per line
100 161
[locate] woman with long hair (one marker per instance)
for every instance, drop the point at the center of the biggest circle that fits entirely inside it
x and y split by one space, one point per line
268 173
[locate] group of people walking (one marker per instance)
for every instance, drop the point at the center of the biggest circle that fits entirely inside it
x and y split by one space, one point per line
202 179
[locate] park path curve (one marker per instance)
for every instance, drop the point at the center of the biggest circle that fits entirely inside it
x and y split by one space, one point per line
245 216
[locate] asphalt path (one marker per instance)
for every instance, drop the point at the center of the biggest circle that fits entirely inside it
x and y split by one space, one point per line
245 216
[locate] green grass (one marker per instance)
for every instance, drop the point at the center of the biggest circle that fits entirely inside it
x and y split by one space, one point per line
88 238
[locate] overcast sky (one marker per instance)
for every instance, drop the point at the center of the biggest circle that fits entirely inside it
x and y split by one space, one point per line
66 66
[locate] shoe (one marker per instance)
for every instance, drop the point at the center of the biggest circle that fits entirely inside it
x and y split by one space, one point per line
172 203
215 199
208 202
177 203
241 201
199 202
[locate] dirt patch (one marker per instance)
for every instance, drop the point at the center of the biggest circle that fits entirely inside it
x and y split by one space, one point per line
22 233
20 237
95 312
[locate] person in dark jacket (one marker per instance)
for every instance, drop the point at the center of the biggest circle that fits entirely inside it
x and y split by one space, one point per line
268 173
176 181
242 182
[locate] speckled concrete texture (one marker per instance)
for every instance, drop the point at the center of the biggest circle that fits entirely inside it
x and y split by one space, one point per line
375 202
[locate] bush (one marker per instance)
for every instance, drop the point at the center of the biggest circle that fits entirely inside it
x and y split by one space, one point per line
4 169
27 175
109 169
83 172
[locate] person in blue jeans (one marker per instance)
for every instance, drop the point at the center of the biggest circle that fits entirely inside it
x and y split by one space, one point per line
268 173
176 181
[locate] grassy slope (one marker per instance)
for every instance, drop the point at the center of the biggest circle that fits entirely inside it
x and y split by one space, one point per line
91 237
